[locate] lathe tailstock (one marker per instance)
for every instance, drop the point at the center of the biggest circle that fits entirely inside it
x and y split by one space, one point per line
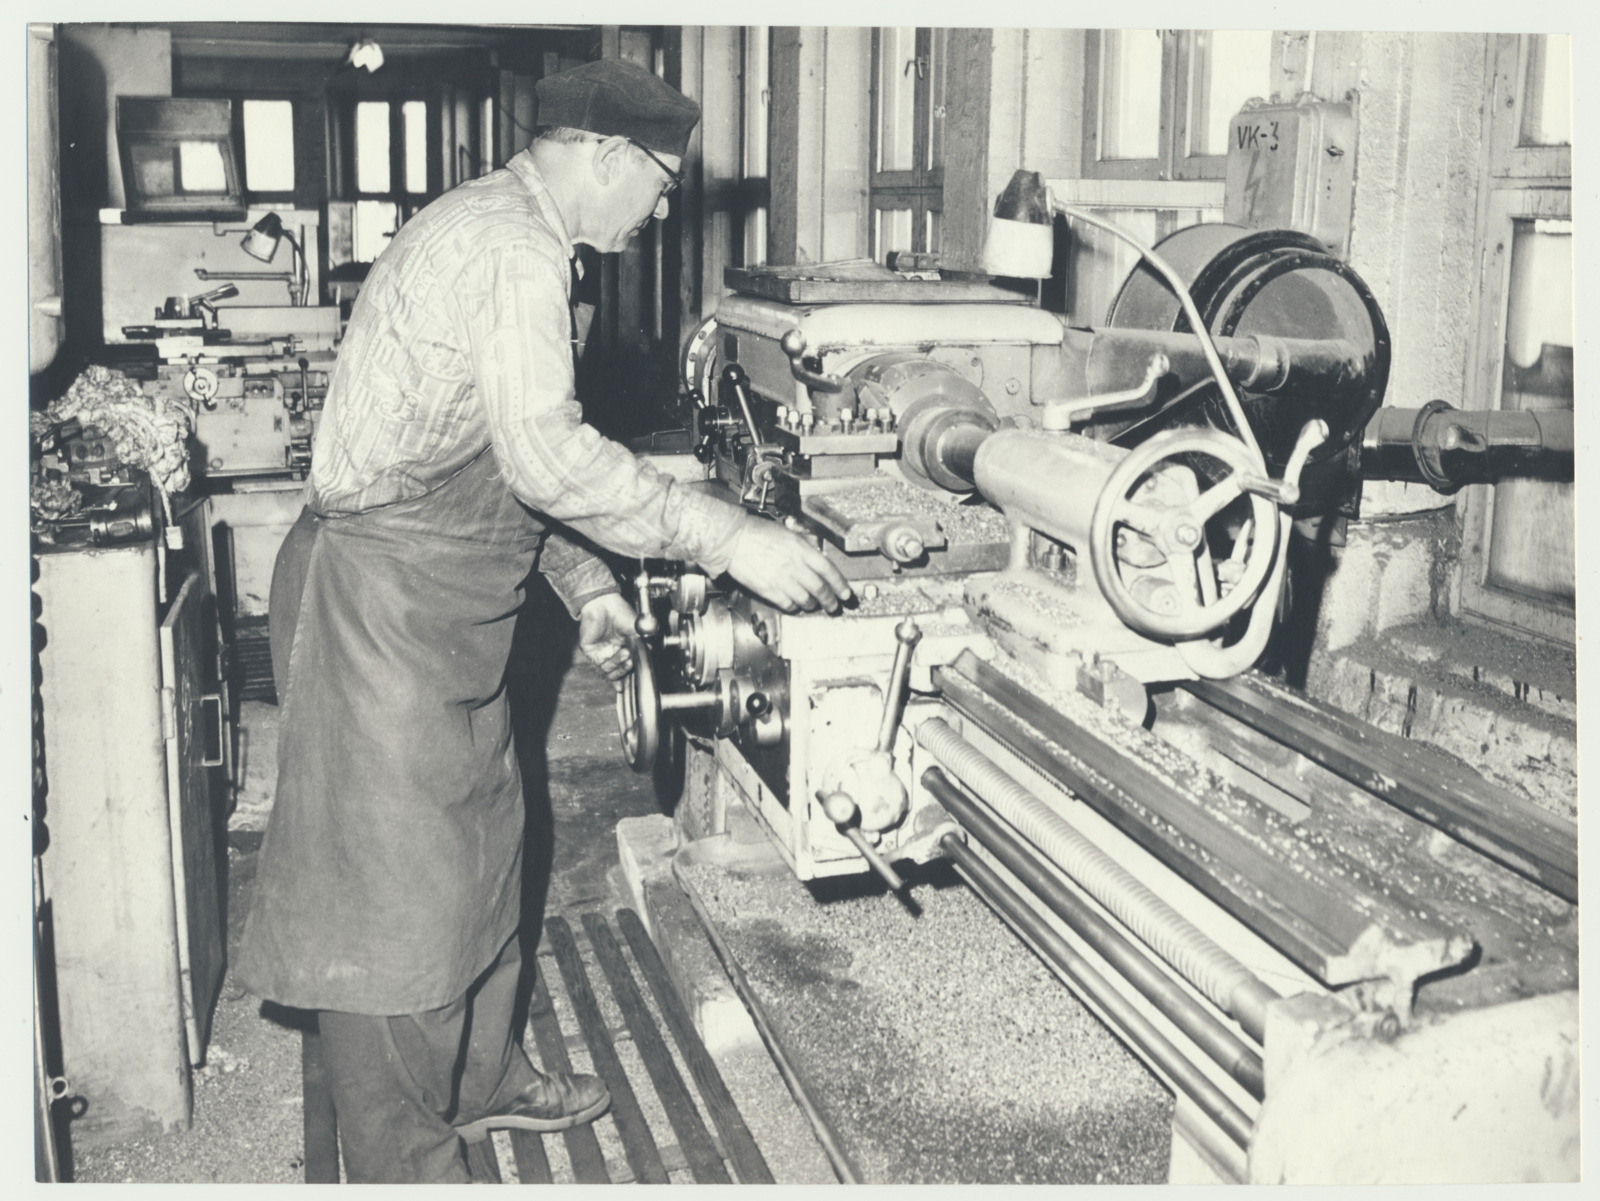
1071 549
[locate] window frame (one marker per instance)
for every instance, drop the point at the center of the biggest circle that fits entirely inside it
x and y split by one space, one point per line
1521 183
919 190
344 189
346 186
1509 158
1172 162
747 200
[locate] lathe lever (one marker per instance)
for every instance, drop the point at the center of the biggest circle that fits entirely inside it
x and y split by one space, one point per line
907 635
841 809
869 774
734 376
793 344
878 862
1061 414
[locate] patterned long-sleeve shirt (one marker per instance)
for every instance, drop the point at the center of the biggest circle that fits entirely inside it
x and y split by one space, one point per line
461 340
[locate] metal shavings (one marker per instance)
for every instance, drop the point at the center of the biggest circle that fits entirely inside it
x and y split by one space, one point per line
149 433
962 523
50 501
949 1053
1047 605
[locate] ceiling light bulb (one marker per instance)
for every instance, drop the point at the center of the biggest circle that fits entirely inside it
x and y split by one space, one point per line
366 54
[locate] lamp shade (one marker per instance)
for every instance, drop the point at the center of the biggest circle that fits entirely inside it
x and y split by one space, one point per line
1021 239
262 240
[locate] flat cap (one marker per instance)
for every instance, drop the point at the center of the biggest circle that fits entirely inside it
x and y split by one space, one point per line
618 99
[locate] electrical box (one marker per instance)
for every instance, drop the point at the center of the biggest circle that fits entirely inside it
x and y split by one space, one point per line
1292 166
134 721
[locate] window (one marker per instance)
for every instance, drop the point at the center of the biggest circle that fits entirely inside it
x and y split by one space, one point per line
907 140
1530 545
1518 560
376 221
754 155
1158 103
389 168
1547 91
1157 107
200 168
414 122
1130 89
268 146
372 146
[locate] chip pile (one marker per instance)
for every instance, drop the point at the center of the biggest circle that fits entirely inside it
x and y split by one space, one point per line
149 433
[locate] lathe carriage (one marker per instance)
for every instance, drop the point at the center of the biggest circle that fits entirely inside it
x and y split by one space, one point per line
1070 549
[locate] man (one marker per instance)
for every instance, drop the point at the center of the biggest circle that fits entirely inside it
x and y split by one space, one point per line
388 893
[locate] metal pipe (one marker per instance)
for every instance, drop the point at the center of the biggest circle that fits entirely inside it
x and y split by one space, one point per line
1225 981
1050 482
1137 1028
672 702
1256 362
1206 1032
202 273
1443 447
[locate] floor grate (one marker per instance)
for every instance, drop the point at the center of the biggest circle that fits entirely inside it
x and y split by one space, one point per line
251 651
591 1013
600 1019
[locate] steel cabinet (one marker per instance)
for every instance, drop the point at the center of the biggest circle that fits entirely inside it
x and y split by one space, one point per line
131 871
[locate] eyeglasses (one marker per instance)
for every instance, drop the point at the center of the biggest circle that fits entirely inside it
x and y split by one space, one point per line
676 180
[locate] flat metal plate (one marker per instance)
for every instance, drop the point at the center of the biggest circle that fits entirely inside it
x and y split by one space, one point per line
821 287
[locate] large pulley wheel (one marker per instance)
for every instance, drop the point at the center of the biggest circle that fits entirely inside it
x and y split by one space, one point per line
1179 532
639 711
1274 283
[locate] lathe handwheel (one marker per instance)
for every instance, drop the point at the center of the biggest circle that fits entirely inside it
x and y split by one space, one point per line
639 711
1179 532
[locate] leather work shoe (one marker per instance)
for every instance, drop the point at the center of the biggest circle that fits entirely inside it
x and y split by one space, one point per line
555 1102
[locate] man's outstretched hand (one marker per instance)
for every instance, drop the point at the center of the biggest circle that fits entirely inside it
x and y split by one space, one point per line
605 634
785 570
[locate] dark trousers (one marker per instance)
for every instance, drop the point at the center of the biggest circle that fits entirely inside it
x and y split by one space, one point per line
400 1082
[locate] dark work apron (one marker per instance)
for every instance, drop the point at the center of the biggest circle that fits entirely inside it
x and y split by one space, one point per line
391 872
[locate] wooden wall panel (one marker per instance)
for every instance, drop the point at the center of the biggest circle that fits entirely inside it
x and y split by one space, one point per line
681 232
843 152
784 123
810 99
721 133
1052 125
637 264
977 100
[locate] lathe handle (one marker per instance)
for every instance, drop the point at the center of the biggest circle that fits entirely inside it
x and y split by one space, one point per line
907 635
840 808
1179 533
794 346
734 376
